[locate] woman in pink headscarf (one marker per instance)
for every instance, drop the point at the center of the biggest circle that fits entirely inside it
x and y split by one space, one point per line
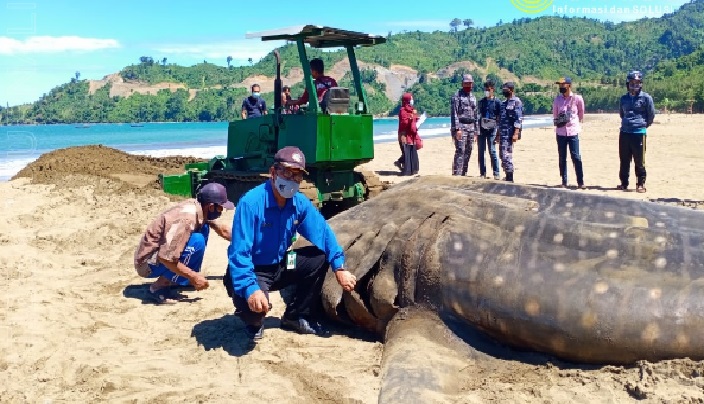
408 135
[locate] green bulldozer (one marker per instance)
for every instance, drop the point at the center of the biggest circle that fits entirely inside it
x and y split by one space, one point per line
336 134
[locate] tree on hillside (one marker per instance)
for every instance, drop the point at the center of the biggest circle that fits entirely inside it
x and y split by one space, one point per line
454 24
229 60
147 60
468 22
163 62
78 75
250 61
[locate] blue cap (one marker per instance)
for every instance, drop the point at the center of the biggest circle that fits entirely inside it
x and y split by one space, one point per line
564 80
214 193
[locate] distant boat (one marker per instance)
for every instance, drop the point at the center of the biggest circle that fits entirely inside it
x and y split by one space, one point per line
136 125
84 125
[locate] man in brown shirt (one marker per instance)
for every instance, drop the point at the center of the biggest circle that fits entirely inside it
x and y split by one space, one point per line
173 244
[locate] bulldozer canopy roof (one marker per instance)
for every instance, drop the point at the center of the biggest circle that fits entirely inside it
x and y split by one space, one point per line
319 37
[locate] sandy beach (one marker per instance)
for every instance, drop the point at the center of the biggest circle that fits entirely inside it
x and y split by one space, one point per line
75 327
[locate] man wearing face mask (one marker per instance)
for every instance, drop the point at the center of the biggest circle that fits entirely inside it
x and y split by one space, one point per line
261 260
637 112
510 127
173 245
254 105
463 115
568 113
489 111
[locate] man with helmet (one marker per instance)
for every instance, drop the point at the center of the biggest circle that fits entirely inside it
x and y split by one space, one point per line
172 247
637 112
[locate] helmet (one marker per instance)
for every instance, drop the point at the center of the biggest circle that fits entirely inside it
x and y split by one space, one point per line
634 75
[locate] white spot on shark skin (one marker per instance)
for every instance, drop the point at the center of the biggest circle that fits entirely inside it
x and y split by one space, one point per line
609 214
661 239
659 224
655 293
613 234
611 254
651 332
483 246
559 267
457 246
558 238
507 257
568 213
519 229
601 287
479 257
532 307
498 281
660 262
569 204
582 242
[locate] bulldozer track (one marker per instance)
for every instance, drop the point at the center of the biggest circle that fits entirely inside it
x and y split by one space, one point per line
372 183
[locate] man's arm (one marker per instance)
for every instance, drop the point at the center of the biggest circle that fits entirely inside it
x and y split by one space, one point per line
620 107
244 109
316 230
580 108
651 112
300 101
554 110
518 106
223 230
264 110
453 113
244 281
197 280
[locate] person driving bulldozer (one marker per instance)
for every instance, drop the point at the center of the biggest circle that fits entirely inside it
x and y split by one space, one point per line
321 81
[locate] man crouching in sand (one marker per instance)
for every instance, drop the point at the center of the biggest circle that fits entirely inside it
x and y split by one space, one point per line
173 245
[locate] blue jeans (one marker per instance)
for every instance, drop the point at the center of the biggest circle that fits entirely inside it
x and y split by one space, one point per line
192 257
573 143
487 139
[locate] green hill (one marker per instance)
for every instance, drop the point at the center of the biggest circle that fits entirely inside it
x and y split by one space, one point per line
532 52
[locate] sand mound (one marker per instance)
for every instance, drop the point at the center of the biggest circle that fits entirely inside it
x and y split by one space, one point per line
66 166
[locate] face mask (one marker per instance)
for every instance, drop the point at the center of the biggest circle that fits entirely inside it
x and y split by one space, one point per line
411 102
467 89
255 94
487 94
213 215
506 93
563 90
286 188
635 87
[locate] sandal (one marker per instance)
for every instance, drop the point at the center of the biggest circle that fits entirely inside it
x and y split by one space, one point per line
162 296
622 187
640 189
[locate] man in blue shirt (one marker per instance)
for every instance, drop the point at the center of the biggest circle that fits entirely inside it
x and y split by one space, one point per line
254 105
637 112
266 220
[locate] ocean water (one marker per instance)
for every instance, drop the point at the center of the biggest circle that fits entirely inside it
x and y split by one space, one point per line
20 145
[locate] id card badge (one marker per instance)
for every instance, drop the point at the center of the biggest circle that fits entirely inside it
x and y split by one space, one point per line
291 260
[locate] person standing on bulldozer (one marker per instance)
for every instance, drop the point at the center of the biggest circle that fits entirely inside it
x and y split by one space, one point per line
320 80
254 105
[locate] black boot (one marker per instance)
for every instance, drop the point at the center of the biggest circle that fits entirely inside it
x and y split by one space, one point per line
509 177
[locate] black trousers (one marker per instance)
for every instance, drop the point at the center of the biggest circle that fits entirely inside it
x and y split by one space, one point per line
410 156
631 146
308 276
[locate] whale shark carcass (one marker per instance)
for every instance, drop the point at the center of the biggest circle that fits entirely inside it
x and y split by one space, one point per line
582 277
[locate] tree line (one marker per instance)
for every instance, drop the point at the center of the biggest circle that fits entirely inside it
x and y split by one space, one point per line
597 55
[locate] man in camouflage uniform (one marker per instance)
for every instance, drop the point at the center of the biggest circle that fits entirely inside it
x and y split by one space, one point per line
464 124
509 127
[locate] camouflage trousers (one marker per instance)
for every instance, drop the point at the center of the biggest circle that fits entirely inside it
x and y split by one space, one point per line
463 149
506 153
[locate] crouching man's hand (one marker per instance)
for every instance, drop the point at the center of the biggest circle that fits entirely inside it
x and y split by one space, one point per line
346 279
258 302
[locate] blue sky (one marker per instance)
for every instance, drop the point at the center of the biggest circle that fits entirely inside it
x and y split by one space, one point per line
44 42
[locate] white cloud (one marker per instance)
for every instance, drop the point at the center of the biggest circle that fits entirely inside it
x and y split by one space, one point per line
239 50
54 44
